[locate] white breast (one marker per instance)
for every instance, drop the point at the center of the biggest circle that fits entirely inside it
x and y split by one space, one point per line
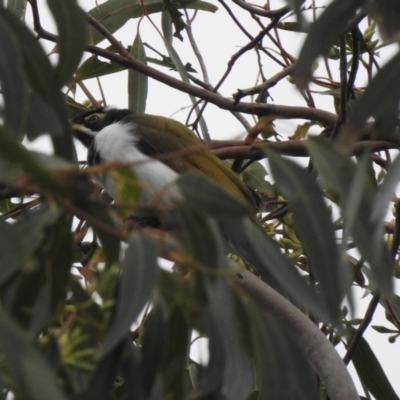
117 142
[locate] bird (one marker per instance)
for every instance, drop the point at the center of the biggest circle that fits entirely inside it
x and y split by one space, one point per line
112 134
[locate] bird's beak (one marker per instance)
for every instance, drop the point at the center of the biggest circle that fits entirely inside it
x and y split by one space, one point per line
83 134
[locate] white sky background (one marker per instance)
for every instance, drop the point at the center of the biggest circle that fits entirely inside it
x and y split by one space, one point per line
218 38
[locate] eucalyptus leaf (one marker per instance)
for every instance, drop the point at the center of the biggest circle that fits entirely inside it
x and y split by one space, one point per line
201 238
19 158
380 99
313 224
110 244
323 34
237 374
114 14
94 68
136 288
210 378
42 80
386 13
386 190
282 370
250 242
13 86
71 26
137 82
209 198
153 344
17 7
371 373
175 375
338 172
32 377
166 25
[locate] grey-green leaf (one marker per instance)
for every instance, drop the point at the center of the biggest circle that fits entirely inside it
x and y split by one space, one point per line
136 287
338 172
380 99
33 379
371 373
209 198
137 82
13 86
114 14
71 25
313 224
323 34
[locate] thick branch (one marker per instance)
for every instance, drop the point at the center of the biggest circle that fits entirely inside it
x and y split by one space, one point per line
318 350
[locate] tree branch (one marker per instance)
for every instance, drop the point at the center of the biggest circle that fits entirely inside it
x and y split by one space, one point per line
127 61
318 350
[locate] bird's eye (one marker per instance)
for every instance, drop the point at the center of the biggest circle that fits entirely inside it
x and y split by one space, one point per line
93 119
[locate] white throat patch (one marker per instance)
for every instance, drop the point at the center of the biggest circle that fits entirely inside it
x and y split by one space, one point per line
117 142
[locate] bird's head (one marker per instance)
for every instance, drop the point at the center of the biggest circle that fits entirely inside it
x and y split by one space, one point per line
89 123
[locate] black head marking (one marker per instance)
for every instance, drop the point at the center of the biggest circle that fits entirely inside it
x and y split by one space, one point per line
93 121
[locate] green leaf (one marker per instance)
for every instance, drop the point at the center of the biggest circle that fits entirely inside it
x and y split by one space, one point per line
166 25
40 75
391 305
201 238
324 33
153 344
282 370
386 191
176 355
371 373
110 243
238 370
58 251
138 279
386 13
137 82
11 251
380 99
32 377
13 87
256 247
114 14
127 189
210 378
254 177
17 7
338 174
17 158
209 198
71 26
94 68
313 224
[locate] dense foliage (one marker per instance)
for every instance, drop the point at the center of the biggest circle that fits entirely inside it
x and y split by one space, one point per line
86 311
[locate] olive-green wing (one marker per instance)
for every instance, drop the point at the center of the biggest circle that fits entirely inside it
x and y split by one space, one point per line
160 135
